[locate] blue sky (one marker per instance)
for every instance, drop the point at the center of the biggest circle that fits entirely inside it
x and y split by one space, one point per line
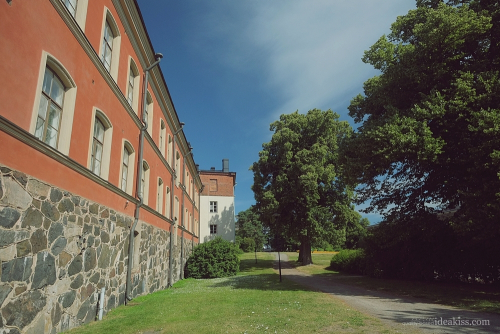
232 67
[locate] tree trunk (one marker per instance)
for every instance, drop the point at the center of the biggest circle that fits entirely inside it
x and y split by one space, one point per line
305 255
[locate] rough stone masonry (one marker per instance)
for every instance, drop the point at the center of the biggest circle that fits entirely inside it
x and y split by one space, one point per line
58 250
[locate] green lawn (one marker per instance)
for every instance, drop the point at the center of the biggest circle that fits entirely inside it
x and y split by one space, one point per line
252 302
469 296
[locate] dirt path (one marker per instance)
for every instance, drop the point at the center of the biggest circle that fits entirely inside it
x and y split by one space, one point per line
403 313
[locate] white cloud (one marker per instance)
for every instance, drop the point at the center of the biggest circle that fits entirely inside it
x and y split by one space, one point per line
308 52
314 47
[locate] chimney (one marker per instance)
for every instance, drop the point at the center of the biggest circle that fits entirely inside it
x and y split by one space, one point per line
225 165
212 168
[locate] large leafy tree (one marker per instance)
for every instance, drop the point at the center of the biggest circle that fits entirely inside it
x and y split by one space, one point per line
297 187
430 135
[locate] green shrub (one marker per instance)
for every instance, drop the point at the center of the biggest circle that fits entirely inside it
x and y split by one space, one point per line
247 245
216 258
349 260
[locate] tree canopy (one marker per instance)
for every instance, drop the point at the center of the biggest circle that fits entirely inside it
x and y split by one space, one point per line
429 140
297 185
430 120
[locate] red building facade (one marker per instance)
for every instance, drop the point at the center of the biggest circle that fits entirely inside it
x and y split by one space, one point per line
98 188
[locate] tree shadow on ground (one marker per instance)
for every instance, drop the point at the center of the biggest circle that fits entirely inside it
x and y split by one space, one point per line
263 282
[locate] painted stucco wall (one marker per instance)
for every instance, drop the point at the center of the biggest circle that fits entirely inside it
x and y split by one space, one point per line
224 218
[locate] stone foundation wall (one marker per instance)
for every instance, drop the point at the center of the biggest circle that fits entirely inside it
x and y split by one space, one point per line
58 250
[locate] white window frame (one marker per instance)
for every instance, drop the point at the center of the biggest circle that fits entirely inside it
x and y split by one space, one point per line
115 54
80 14
213 207
177 167
161 139
159 196
145 182
131 167
68 108
108 135
135 82
149 110
170 151
168 195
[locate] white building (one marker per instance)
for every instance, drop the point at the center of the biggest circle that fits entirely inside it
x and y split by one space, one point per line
217 203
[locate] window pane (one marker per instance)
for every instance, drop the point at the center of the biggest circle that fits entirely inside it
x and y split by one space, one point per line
47 80
98 151
99 131
107 57
130 94
71 5
57 92
124 178
97 167
54 116
108 34
42 109
125 157
39 128
131 78
51 137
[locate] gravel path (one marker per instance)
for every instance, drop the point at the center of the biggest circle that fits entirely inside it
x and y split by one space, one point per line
403 313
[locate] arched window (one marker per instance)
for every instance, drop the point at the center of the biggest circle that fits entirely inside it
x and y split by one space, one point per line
159 196
54 106
161 140
149 113
177 167
127 168
100 144
133 86
145 182
110 46
167 202
97 147
107 46
125 163
170 151
51 106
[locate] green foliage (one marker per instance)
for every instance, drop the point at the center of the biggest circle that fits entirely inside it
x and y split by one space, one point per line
298 187
355 232
248 245
322 245
349 260
427 249
216 258
430 134
250 231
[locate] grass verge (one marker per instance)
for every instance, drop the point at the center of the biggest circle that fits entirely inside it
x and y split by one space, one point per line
473 297
252 302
